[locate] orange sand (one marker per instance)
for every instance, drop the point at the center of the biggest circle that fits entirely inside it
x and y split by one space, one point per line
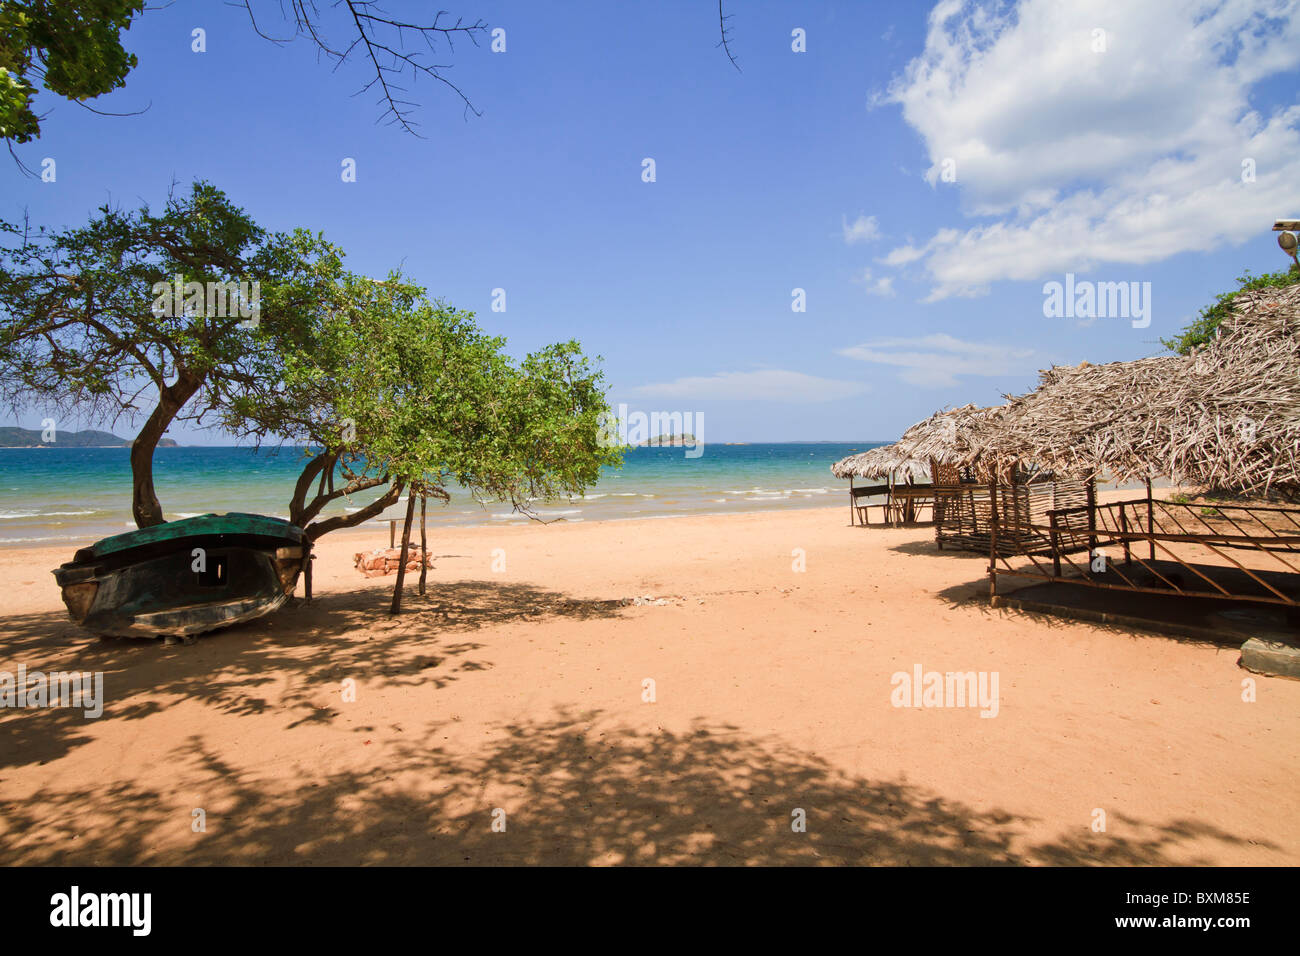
522 690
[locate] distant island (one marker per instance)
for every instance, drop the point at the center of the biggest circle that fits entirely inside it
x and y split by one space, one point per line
12 437
686 438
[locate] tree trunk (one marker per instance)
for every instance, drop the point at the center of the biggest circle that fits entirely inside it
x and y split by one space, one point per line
316 529
145 507
406 544
424 547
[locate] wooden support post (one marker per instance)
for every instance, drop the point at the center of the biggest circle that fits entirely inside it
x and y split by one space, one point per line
1092 518
852 501
993 539
1151 521
406 541
1123 527
1056 547
307 559
392 532
424 545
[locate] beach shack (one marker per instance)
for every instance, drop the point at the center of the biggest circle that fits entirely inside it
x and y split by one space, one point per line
964 509
940 448
1226 417
884 469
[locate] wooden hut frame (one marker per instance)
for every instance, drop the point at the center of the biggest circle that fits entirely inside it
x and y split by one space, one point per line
963 510
1179 417
964 517
936 448
1248 552
883 463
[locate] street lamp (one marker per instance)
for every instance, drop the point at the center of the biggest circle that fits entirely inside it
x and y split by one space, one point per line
1286 229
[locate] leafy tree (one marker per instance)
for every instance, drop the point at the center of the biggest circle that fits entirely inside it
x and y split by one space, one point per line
388 392
1201 331
385 391
89 323
72 46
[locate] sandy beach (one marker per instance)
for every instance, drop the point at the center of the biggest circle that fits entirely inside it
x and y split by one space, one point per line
503 718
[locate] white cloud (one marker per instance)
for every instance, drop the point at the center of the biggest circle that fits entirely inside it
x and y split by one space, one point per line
1080 158
935 361
761 385
883 285
862 229
903 255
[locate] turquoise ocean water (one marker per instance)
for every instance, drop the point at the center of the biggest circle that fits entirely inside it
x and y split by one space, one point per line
54 495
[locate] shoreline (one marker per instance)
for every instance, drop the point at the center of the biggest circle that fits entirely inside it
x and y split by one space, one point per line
376 525
810 500
82 495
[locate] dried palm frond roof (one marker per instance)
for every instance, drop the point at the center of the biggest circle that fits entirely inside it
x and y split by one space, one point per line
947 437
881 462
1227 415
950 437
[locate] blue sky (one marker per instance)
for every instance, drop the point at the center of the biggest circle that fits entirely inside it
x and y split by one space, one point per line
819 170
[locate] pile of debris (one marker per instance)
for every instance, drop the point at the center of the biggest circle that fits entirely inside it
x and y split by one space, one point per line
381 561
650 599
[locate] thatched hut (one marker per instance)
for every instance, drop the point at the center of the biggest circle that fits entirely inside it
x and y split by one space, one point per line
881 464
938 448
963 507
884 468
1226 416
946 439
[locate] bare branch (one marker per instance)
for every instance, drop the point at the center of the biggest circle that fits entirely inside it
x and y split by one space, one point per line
725 42
388 60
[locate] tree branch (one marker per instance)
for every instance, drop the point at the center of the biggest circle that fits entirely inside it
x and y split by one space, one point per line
725 43
366 21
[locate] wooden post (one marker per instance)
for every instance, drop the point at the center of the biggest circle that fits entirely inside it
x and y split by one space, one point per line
1016 488
424 547
1151 523
406 541
993 539
1092 518
1056 547
308 558
852 502
392 532
1123 526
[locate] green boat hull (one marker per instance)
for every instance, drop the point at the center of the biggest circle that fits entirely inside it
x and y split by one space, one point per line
184 577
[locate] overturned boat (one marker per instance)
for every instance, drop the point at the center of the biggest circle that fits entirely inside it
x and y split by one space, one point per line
184 577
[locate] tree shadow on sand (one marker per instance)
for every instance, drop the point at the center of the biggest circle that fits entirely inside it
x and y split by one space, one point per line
240 670
575 791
